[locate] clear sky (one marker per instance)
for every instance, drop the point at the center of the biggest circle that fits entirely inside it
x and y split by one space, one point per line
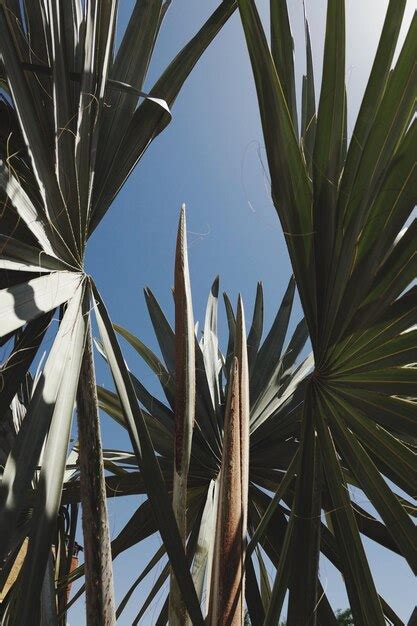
211 157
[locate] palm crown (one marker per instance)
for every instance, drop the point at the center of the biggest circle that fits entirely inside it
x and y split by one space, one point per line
276 372
279 373
345 205
74 122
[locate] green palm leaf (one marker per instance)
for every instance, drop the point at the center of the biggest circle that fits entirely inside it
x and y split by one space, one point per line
288 460
64 155
354 265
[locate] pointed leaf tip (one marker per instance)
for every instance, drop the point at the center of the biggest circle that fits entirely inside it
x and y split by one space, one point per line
240 317
215 286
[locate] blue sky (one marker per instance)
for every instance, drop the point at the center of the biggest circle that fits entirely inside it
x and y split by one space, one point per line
211 157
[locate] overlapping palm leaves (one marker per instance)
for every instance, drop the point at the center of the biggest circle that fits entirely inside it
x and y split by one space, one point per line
278 381
346 209
276 375
342 204
73 124
63 555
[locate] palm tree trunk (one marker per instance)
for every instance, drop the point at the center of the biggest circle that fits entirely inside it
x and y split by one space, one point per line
184 406
100 606
226 606
227 592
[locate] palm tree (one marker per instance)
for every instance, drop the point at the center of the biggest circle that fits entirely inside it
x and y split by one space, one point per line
342 205
345 206
277 379
64 156
215 458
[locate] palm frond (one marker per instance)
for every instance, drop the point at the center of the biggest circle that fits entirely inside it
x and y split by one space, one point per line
74 121
343 203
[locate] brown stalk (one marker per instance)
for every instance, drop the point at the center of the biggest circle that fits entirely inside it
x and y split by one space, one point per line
100 606
184 405
228 581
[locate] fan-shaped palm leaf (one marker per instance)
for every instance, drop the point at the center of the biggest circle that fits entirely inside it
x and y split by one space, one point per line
73 123
282 451
273 424
343 206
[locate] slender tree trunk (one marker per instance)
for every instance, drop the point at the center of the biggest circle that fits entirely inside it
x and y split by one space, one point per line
184 406
100 604
226 606
227 601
